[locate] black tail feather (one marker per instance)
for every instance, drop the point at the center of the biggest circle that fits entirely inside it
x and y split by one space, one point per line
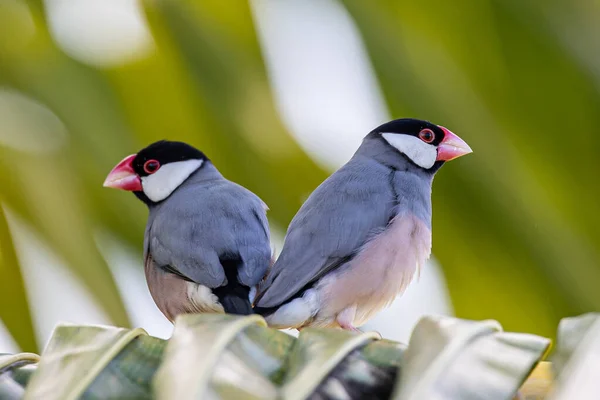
235 304
234 297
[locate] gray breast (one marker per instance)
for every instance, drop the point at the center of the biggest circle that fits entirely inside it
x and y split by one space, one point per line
413 194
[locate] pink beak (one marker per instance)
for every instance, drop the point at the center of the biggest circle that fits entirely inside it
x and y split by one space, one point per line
124 177
451 147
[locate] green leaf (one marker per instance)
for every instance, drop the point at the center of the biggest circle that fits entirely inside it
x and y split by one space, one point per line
231 357
10 360
449 358
577 358
193 355
74 358
61 205
367 372
14 374
264 351
571 333
129 375
14 307
251 365
315 354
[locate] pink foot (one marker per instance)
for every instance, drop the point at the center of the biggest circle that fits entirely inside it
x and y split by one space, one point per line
350 327
345 319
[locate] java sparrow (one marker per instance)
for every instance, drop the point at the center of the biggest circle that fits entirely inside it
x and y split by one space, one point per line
207 239
359 238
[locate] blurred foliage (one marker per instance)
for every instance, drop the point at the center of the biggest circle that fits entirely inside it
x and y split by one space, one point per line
231 357
514 224
13 303
205 84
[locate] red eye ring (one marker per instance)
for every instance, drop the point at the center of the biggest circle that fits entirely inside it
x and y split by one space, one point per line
427 135
151 166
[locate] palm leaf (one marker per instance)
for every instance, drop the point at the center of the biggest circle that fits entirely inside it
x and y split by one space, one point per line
577 358
75 358
446 355
15 371
315 355
231 357
14 309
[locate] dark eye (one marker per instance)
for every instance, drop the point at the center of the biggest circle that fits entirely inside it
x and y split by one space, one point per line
151 166
427 135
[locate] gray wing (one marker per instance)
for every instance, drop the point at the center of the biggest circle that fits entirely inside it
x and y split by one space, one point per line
337 219
199 226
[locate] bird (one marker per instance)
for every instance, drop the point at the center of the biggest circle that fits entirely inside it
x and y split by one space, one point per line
207 240
357 241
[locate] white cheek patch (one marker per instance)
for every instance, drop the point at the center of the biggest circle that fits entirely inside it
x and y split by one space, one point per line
421 153
163 182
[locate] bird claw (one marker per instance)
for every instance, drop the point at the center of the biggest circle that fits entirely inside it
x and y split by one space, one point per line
350 327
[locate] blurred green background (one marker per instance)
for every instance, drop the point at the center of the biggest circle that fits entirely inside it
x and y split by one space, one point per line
516 226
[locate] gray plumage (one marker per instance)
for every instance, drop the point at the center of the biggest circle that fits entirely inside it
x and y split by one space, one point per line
360 237
212 232
350 207
206 243
206 219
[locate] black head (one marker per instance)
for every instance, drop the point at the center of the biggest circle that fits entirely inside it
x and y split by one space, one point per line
425 144
151 158
414 127
157 170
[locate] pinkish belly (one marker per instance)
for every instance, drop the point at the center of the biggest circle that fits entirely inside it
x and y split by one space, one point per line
379 273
